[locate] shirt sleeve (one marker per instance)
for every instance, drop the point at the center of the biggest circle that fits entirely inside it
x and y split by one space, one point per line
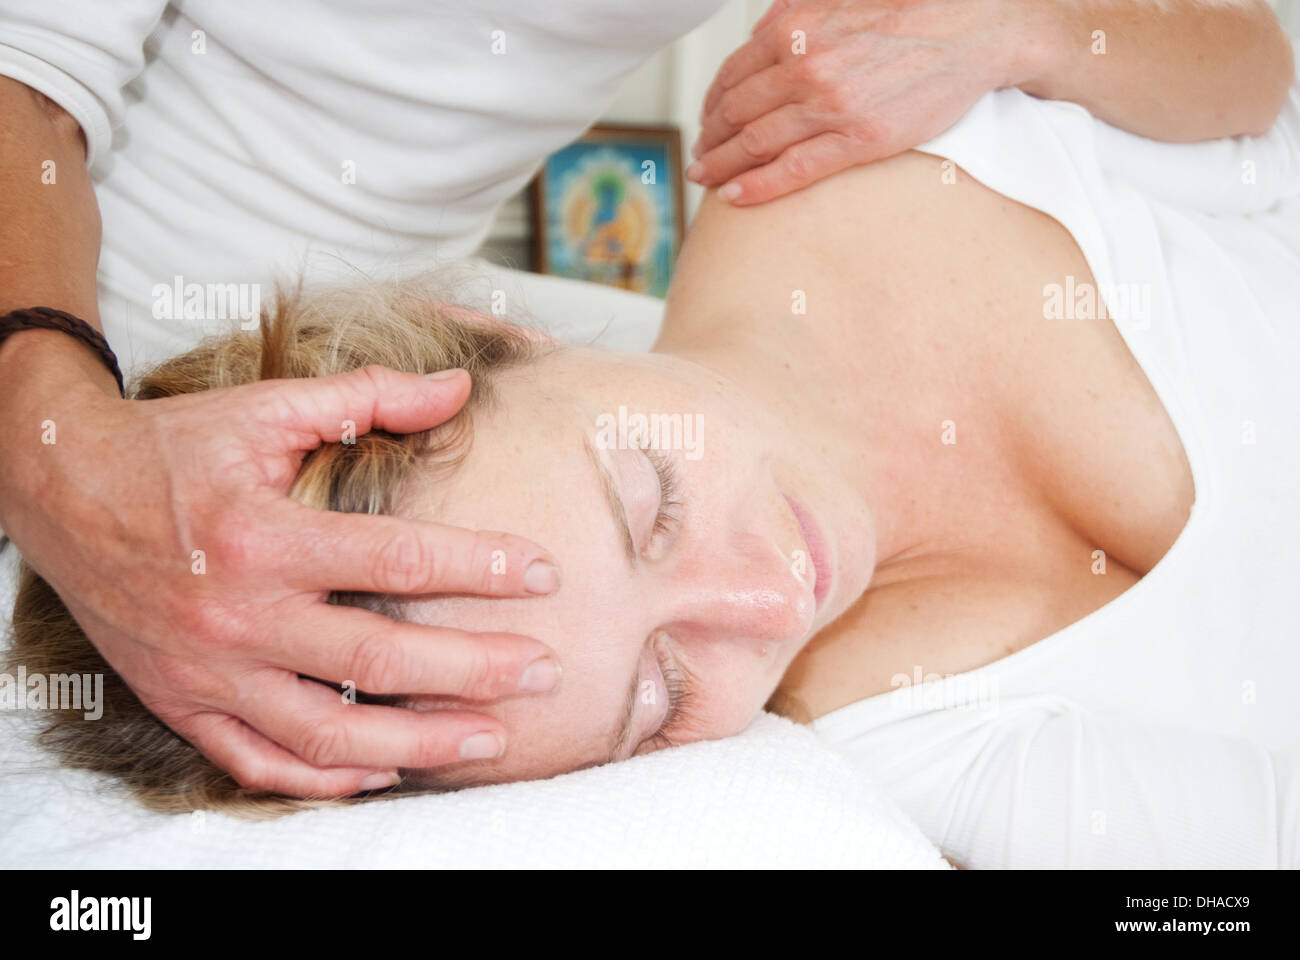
80 54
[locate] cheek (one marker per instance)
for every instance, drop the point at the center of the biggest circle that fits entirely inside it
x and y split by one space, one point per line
729 685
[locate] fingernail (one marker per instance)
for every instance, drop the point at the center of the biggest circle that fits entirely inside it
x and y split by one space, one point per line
730 192
482 746
695 172
379 781
444 374
541 577
542 675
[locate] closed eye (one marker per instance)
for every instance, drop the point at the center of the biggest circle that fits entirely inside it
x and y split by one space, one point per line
680 698
668 515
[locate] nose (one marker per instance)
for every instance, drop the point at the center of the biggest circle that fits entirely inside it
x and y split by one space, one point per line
743 587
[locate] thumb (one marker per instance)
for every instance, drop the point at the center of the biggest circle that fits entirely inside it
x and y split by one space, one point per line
320 409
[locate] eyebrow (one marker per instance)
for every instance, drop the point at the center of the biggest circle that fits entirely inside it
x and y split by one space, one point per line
612 498
629 712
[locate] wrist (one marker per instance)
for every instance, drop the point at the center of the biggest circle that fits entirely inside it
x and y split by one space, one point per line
1038 38
47 375
41 363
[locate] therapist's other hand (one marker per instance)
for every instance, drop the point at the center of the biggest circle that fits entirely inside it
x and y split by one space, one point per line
112 514
823 85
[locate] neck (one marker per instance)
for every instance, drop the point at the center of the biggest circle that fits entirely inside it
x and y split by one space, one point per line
860 423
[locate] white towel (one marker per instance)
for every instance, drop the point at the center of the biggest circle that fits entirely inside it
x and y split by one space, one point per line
773 797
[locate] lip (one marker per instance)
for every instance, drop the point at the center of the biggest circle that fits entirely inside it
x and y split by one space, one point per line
819 553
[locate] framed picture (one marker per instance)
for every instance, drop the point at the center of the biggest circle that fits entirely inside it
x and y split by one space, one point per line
610 206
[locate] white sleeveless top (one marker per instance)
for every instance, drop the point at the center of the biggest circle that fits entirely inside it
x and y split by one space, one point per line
1162 730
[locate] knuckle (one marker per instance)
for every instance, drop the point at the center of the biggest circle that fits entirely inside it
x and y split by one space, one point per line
837 100
433 746
801 71
251 774
376 373
205 621
752 144
488 672
234 545
322 744
433 750
377 665
815 71
360 387
249 768
405 564
731 111
796 165
869 132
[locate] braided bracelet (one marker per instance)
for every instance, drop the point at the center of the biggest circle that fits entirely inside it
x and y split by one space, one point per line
47 318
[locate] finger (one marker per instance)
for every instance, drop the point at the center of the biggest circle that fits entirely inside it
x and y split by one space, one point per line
316 409
371 652
758 143
774 11
756 55
316 725
326 550
797 167
750 99
257 763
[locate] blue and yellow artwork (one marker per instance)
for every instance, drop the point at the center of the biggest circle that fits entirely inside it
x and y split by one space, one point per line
610 209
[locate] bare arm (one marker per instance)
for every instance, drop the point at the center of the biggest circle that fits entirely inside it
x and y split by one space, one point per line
828 84
1177 70
49 245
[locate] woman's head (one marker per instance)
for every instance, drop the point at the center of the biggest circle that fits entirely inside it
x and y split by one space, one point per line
692 574
690 582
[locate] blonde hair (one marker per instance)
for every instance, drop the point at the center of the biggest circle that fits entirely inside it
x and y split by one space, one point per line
403 327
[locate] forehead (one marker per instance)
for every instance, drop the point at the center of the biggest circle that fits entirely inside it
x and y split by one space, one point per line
528 474
524 465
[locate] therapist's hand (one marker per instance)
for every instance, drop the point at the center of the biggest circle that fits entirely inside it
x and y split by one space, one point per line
111 515
823 85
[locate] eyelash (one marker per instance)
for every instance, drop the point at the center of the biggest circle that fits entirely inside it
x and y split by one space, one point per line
669 491
675 686
679 701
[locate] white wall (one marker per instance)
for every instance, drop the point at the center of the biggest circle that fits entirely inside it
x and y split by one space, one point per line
1288 12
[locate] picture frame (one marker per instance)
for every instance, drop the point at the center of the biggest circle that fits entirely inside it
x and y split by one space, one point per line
610 208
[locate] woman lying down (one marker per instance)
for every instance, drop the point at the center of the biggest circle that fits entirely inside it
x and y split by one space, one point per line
1002 502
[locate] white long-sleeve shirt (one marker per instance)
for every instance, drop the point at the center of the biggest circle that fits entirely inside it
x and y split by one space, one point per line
241 141
1163 730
